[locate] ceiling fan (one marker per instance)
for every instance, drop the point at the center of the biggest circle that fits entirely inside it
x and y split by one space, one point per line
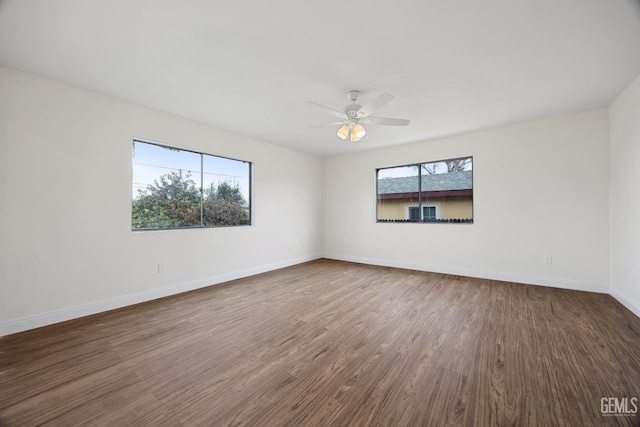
354 116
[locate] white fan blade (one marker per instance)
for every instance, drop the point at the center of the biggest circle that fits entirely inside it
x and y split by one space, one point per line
385 121
330 110
325 124
374 105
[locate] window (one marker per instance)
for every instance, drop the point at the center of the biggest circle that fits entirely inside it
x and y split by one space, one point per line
414 213
429 213
442 191
175 188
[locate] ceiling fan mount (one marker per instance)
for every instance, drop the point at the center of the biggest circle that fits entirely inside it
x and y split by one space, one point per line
353 95
353 116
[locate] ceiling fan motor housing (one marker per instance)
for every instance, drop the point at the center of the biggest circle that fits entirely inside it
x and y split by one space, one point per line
352 110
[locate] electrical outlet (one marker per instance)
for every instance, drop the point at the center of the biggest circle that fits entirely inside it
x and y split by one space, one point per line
548 260
160 268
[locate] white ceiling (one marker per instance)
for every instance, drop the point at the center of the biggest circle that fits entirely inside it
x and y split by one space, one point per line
252 66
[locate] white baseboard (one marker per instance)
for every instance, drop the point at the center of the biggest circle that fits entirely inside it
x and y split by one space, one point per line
627 301
578 285
32 322
37 321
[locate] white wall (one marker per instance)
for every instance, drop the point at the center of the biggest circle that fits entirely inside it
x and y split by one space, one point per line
540 188
624 199
67 250
3 212
65 202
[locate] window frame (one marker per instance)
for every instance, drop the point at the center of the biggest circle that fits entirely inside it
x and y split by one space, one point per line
420 202
200 183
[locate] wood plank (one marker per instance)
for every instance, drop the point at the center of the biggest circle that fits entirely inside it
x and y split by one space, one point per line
332 343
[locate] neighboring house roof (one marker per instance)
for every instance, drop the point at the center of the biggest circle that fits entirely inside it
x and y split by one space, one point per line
452 181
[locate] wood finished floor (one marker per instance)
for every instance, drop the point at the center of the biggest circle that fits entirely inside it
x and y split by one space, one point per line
336 344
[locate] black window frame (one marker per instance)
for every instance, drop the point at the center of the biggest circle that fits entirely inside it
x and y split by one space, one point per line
420 203
249 201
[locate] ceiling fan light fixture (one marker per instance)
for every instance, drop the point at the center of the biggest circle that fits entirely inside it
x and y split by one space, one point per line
343 132
358 131
354 136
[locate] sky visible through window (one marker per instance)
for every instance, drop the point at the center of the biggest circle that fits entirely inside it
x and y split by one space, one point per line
412 170
151 161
